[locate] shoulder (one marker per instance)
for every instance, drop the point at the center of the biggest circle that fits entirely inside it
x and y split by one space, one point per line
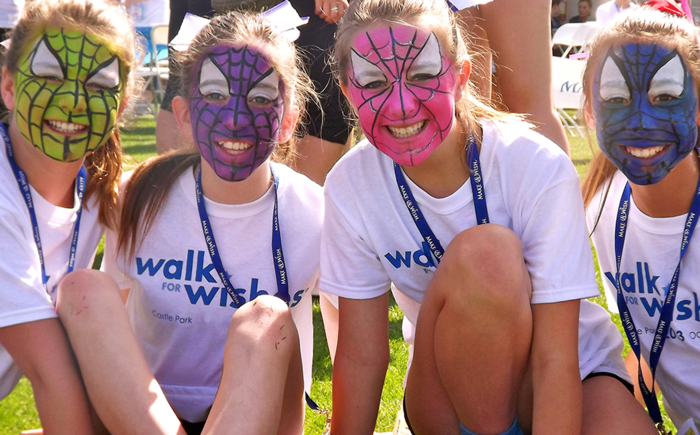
363 166
298 190
605 202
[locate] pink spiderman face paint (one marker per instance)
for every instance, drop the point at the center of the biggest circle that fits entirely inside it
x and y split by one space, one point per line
236 108
403 88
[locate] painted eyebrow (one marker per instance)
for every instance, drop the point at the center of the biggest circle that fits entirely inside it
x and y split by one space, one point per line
265 86
214 82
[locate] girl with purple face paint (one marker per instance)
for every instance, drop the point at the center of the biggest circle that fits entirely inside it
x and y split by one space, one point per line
217 251
493 311
641 87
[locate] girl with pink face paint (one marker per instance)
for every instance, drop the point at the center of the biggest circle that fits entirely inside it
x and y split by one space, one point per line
216 254
447 204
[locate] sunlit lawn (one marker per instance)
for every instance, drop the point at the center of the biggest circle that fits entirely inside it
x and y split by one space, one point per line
17 411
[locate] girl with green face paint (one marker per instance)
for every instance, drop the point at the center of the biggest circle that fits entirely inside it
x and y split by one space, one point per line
66 78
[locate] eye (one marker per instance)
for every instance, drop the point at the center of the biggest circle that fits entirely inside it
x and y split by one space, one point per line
105 77
212 83
266 91
428 63
366 74
613 87
668 82
45 64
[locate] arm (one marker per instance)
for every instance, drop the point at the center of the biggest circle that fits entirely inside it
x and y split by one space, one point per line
360 366
330 323
42 352
557 396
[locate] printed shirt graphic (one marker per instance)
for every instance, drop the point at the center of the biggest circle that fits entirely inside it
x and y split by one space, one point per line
370 239
22 296
649 259
178 308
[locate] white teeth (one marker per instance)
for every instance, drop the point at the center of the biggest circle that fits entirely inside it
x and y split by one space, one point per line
235 146
407 131
66 127
645 153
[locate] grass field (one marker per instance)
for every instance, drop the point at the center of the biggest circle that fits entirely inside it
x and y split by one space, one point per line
17 411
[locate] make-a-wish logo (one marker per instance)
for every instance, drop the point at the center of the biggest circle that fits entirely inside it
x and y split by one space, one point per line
189 271
641 288
421 257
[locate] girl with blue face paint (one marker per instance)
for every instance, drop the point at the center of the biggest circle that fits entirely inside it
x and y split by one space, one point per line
642 197
216 254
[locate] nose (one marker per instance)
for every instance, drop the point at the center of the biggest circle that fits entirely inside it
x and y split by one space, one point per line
72 96
233 118
401 104
642 121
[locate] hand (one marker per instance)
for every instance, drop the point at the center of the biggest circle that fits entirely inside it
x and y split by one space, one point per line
331 10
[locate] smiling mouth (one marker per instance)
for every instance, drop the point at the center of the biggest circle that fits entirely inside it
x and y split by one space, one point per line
408 131
66 127
234 148
645 153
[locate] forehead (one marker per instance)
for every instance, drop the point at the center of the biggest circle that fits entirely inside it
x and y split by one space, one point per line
391 42
239 61
74 48
641 59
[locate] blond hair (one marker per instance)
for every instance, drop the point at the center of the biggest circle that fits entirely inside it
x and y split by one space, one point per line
425 14
110 24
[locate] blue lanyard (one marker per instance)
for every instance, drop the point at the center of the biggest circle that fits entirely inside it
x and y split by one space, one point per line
478 191
666 312
23 184
277 254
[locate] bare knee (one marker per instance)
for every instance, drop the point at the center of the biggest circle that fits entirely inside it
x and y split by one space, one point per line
486 264
82 289
264 324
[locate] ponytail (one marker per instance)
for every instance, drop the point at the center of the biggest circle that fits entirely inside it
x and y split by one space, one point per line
104 167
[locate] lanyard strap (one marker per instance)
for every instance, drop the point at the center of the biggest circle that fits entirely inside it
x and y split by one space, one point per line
666 312
478 192
277 254
23 184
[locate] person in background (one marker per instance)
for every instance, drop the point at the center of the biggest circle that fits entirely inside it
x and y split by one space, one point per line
609 9
555 13
584 12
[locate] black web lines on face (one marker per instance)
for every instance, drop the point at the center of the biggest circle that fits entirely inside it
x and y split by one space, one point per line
402 80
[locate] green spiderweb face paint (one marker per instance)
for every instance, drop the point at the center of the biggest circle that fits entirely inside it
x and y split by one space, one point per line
67 93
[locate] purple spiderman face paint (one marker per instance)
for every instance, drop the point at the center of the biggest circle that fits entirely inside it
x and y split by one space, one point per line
403 88
645 107
236 108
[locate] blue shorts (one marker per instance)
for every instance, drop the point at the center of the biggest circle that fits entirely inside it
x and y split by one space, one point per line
514 429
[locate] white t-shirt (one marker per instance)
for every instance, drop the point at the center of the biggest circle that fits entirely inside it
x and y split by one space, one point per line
178 308
370 240
608 10
9 12
649 259
22 296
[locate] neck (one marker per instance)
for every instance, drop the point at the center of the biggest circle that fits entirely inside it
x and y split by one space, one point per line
446 169
671 196
235 192
53 180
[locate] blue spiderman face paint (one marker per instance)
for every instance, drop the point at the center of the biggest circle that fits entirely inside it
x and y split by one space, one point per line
236 108
645 106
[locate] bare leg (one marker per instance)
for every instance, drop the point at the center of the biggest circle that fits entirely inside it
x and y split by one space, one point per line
317 157
262 377
609 409
524 76
473 336
119 383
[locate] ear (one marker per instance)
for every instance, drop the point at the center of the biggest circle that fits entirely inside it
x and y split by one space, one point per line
8 89
289 123
181 110
590 119
463 75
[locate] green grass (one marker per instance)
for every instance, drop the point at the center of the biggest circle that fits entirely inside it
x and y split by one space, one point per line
17 411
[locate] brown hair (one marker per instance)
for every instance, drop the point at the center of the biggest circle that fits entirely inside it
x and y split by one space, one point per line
432 14
107 22
151 182
644 25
